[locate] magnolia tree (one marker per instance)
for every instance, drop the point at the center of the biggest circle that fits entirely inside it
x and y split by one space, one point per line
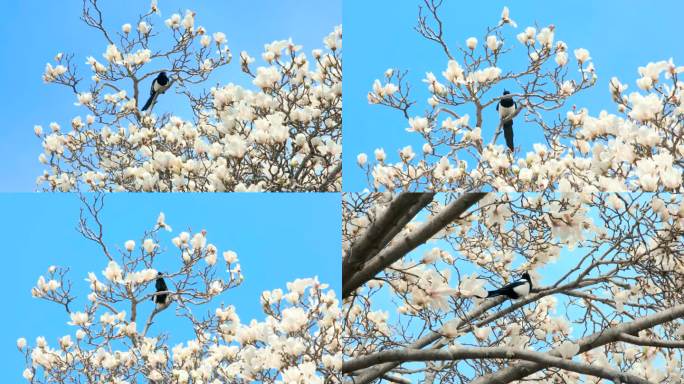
283 135
113 342
607 311
638 148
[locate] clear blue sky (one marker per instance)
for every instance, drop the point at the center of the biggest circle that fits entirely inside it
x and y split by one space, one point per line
278 238
620 35
40 29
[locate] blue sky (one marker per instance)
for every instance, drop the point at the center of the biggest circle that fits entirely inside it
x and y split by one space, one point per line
278 237
40 29
620 35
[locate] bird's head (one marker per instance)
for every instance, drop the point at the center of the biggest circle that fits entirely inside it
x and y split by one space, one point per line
526 276
506 92
160 274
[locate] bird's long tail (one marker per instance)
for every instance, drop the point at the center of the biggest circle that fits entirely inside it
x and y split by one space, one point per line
508 134
148 103
494 293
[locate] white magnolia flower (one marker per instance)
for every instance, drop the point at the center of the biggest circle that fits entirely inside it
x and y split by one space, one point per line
545 37
582 55
492 43
454 72
79 319
205 40
113 272
161 222
189 20
561 58
52 73
210 258
294 318
52 285
471 286
567 88
144 28
267 77
215 287
568 349
506 19
149 245
418 124
219 37
174 21
155 375
644 108
471 43
41 342
482 333
27 374
112 54
230 257
361 159
129 245
198 241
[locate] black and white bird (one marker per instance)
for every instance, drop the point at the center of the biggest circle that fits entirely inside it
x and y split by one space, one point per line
514 290
159 85
160 286
506 108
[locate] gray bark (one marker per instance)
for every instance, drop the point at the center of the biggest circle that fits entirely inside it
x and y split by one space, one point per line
400 211
588 343
400 248
462 353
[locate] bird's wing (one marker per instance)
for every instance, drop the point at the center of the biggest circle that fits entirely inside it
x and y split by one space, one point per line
497 105
152 87
515 284
161 285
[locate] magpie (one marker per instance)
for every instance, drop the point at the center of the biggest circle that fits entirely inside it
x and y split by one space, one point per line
506 108
515 290
160 285
159 85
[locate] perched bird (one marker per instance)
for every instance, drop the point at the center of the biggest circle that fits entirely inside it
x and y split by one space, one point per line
159 85
506 108
160 286
515 290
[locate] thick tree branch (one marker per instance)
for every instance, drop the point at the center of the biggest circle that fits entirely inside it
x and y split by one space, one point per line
391 254
588 343
463 324
651 342
400 211
463 353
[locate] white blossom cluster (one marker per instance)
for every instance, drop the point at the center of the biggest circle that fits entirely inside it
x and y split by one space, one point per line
639 148
296 342
284 135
